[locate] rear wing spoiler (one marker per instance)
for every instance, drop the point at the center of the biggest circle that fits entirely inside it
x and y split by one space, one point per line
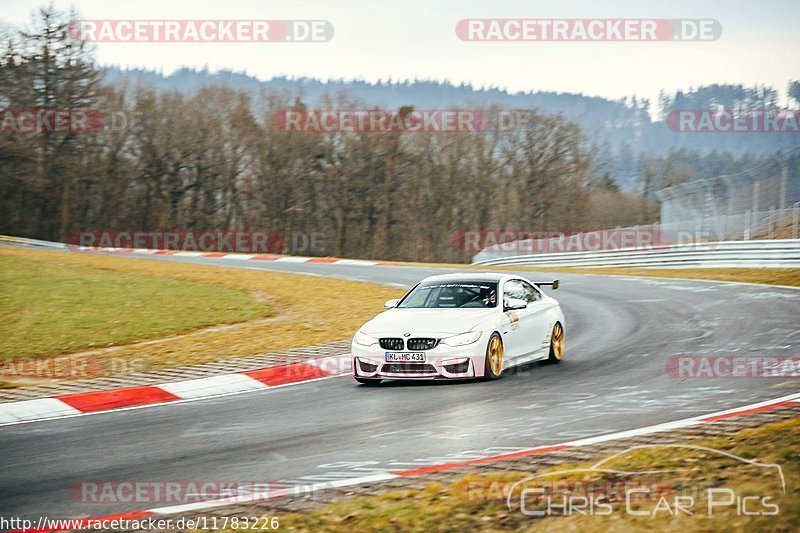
553 284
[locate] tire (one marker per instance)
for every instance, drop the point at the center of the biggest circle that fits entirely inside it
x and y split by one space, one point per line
556 344
493 365
368 382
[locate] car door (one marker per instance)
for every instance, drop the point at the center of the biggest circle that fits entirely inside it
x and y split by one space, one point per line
537 332
518 323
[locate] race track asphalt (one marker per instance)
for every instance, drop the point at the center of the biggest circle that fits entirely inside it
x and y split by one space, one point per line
620 332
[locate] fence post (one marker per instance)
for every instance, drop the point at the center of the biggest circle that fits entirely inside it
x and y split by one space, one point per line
784 181
724 235
771 221
756 196
746 229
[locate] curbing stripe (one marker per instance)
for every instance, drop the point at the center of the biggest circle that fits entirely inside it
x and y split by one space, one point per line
194 389
213 386
354 262
732 413
291 373
34 410
504 457
91 402
239 256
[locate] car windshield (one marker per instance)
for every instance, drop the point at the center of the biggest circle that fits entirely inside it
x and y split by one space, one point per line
451 294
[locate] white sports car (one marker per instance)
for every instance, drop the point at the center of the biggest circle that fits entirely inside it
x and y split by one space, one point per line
460 326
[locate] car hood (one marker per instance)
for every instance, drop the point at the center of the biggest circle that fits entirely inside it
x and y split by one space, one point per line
432 322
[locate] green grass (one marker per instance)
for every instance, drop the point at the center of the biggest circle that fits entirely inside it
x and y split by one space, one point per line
48 308
162 314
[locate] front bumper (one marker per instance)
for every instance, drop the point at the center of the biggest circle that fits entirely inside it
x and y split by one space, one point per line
442 362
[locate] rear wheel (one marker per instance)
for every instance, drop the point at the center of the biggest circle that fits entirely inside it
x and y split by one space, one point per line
556 344
367 381
494 357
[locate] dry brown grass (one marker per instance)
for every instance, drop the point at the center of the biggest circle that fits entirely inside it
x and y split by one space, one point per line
303 310
453 507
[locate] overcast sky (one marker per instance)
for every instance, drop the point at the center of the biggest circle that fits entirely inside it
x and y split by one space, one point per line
382 39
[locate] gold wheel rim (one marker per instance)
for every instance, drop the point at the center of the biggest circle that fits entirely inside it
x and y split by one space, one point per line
496 355
558 341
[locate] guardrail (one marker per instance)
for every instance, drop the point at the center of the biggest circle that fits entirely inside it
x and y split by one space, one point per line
784 253
31 242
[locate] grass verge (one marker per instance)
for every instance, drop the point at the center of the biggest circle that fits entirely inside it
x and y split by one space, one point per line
478 502
53 308
157 314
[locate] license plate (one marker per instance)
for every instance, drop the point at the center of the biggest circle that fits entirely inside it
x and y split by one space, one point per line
405 357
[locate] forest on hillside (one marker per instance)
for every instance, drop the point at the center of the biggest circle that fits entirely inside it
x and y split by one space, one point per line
211 158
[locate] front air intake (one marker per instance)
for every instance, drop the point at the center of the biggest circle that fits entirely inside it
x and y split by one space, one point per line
408 368
366 368
458 368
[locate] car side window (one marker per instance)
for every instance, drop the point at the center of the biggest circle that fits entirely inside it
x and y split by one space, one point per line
514 289
531 293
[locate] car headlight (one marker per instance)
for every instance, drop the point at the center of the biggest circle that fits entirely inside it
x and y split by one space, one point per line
463 339
363 339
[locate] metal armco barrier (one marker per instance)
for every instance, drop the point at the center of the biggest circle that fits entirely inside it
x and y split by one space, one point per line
783 253
31 242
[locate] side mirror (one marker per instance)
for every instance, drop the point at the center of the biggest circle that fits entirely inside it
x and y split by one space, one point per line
514 303
555 284
391 303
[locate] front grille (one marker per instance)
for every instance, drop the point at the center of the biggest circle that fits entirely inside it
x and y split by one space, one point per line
366 367
391 343
458 368
408 368
422 344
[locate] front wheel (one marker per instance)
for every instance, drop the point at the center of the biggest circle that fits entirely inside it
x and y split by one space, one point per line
556 344
494 358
